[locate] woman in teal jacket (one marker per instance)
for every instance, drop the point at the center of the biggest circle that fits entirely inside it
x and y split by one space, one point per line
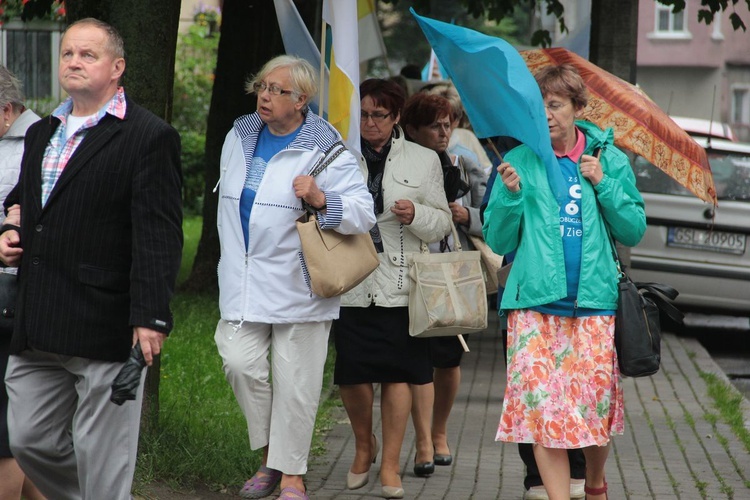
563 389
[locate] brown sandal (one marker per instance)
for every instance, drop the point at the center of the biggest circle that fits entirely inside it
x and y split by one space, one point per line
602 490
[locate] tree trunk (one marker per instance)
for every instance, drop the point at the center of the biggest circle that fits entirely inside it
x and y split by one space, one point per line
614 37
613 47
250 36
150 43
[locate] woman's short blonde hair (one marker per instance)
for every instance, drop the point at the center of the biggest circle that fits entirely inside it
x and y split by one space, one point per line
301 73
565 81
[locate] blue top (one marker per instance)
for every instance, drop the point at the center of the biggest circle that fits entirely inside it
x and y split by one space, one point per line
268 146
571 232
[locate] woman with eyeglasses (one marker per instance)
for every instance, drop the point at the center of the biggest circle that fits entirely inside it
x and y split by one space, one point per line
427 120
372 333
265 300
563 389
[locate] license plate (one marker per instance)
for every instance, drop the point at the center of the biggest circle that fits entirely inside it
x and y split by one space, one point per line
701 239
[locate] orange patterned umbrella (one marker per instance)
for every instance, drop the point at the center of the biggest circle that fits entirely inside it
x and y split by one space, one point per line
639 124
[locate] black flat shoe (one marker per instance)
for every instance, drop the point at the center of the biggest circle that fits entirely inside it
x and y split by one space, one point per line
443 459
423 469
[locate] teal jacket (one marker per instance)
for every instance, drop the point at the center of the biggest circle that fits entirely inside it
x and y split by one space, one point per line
528 221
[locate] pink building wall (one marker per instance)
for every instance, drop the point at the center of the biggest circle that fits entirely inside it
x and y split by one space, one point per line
682 72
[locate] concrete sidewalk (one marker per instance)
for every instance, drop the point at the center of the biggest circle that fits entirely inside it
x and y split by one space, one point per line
670 449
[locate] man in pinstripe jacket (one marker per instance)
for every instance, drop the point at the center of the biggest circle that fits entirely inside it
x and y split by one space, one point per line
98 246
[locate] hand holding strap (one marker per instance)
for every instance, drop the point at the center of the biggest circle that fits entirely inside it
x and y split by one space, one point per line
321 165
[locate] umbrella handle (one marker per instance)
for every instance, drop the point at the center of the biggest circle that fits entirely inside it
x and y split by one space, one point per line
494 150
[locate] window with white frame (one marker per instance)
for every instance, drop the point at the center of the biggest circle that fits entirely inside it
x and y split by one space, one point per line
30 50
741 104
717 34
670 24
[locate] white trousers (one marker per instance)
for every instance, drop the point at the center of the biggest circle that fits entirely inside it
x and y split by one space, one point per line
281 413
65 433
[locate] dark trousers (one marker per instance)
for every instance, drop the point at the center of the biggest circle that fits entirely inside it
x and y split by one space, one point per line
526 451
575 457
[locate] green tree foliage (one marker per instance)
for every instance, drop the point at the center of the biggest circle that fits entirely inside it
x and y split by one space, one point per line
195 63
497 10
710 8
405 41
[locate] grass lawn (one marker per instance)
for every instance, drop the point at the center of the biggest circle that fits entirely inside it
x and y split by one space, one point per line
202 434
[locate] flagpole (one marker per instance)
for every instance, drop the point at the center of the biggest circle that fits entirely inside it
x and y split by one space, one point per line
321 93
380 38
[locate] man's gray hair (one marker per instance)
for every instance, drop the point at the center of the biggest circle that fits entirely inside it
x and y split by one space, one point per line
115 44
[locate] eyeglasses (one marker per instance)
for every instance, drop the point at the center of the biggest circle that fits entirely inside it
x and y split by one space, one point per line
554 107
273 89
376 117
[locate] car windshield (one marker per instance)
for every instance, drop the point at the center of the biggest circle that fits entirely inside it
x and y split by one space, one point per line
731 172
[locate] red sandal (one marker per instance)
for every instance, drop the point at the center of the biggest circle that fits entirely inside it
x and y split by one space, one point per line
602 490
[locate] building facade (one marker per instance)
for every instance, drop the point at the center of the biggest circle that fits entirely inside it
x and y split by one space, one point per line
696 70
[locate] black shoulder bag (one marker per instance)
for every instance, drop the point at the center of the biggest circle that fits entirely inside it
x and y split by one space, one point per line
637 324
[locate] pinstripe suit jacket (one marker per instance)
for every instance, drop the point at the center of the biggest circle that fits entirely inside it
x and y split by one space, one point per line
102 255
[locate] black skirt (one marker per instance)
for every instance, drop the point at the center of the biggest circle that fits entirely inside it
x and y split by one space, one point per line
446 352
373 346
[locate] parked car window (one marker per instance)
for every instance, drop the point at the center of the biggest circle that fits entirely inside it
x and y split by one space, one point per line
731 173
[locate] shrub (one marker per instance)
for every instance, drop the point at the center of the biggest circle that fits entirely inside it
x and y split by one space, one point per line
195 62
193 171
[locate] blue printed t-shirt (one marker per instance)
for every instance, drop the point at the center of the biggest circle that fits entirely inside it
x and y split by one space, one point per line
571 231
268 146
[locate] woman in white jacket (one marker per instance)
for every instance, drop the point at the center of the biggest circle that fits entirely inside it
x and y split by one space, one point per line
427 120
265 299
14 120
372 338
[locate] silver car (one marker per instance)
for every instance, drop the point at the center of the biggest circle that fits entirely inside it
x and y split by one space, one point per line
700 251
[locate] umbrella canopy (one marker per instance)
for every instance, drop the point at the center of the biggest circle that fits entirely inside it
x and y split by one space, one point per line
639 124
497 89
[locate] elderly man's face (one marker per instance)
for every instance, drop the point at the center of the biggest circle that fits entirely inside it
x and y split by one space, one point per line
87 68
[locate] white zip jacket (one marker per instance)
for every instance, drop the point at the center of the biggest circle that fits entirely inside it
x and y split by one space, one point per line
11 152
412 172
268 283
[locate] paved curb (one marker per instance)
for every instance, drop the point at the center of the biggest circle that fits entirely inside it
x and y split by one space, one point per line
671 447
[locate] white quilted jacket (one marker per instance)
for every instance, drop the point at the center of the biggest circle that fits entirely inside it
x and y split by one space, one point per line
414 173
11 153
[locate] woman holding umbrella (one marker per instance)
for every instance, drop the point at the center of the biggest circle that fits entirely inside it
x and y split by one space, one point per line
563 389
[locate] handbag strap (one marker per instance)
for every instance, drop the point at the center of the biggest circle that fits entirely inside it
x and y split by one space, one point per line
327 158
659 288
320 165
456 241
613 247
654 291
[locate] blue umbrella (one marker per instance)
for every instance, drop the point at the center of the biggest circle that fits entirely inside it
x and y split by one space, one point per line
499 93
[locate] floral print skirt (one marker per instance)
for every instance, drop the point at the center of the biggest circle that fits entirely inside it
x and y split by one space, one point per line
564 388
